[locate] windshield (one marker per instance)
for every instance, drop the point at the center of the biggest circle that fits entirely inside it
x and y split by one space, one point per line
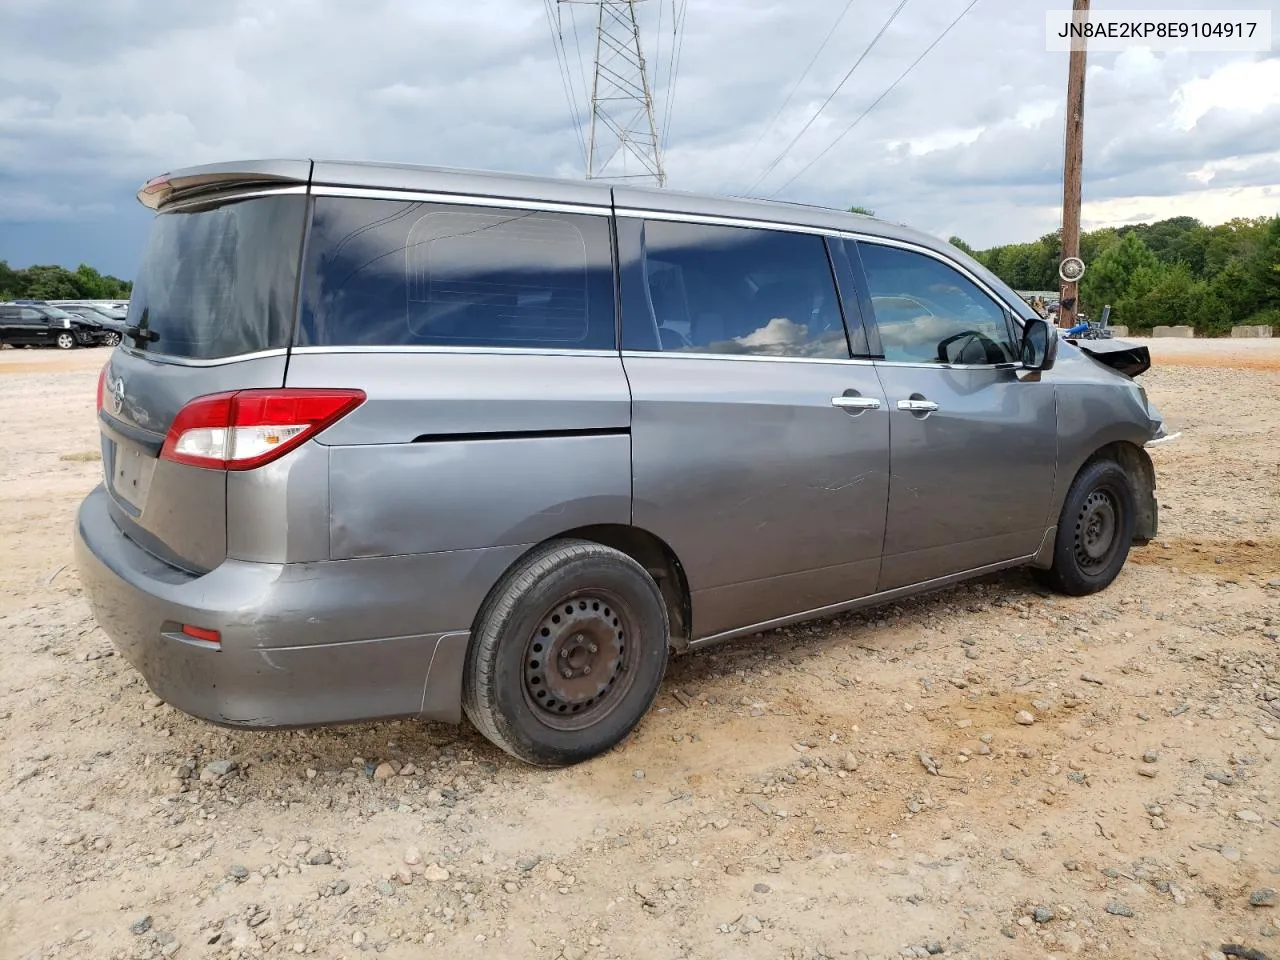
218 280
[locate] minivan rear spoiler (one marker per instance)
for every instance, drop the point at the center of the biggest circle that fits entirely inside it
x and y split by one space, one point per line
211 178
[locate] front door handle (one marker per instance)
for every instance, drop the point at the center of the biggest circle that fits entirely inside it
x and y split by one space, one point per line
917 406
856 403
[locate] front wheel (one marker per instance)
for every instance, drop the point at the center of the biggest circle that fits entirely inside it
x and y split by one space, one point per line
567 654
111 340
1095 531
65 341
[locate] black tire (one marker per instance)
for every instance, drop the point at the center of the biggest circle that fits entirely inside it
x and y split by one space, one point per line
65 340
1095 531
573 604
111 340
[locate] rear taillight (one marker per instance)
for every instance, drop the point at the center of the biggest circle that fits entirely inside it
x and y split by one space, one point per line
245 429
102 385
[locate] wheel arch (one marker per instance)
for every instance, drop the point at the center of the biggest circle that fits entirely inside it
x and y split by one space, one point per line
1136 462
1142 474
656 556
651 552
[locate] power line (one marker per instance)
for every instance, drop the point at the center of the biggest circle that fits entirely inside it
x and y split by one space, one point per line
796 86
657 51
582 67
557 41
677 41
817 113
875 103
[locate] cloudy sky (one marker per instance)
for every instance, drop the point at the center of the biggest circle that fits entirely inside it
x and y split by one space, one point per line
97 97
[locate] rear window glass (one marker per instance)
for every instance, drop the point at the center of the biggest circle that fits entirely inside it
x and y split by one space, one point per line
219 280
406 273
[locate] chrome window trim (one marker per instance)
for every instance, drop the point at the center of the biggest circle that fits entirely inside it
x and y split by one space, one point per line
717 221
664 355
224 196
940 257
964 272
949 366
446 350
200 361
458 199
712 220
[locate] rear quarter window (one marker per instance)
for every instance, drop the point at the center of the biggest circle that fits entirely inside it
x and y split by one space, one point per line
393 273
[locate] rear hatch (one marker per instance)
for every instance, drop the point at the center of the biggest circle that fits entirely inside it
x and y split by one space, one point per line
212 311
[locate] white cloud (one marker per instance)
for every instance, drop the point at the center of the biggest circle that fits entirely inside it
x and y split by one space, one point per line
1247 86
97 97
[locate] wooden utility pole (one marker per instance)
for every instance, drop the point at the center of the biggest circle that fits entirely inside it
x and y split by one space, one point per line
1071 174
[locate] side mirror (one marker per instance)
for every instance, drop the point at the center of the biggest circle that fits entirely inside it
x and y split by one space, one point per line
1039 344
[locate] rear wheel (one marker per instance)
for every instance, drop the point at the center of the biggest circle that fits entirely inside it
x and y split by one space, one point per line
65 340
1095 531
567 655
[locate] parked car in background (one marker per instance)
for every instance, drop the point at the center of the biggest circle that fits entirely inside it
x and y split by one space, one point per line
112 321
34 323
390 441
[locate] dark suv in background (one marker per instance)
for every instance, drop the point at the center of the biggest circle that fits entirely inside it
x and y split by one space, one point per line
34 323
112 321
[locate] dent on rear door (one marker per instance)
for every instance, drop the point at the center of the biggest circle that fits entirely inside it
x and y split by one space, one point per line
412 470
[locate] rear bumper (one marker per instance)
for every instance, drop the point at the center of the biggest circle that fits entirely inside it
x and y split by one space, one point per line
302 644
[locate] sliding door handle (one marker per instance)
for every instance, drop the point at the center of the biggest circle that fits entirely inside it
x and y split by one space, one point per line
856 403
917 406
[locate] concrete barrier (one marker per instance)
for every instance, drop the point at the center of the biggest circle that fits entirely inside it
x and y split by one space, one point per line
1180 331
1252 330
1118 330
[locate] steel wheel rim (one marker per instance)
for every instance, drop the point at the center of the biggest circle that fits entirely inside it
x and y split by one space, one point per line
566 683
66 341
1097 528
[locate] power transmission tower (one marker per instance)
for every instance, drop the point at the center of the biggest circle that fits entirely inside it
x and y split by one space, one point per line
623 125
1072 174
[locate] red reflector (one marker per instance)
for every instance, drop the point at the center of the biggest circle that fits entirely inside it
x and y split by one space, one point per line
200 633
102 383
244 429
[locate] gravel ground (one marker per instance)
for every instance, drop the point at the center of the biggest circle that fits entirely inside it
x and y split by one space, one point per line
988 772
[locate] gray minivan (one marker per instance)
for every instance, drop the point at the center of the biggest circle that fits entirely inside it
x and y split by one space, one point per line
390 441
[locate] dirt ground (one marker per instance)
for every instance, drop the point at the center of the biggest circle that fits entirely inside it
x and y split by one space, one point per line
777 803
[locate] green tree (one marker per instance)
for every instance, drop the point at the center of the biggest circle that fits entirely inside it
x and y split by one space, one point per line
862 210
1226 274
9 281
1265 266
1095 243
961 245
1175 298
1108 279
50 283
1237 291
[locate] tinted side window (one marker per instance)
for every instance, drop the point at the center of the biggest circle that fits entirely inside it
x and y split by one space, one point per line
33 316
735 290
406 273
928 312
